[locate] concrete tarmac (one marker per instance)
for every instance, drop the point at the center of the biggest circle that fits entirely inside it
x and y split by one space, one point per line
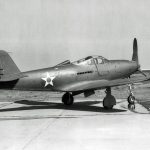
49 125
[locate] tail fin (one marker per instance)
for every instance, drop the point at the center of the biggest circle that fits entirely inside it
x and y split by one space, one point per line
7 65
135 51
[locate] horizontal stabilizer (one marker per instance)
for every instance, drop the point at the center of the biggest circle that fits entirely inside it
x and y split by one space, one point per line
11 77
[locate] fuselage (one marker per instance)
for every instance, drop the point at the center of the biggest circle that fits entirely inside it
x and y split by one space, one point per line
55 78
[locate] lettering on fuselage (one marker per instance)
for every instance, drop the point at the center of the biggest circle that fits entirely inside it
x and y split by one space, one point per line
80 73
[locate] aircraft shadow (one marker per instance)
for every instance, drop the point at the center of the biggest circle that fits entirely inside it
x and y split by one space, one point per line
78 106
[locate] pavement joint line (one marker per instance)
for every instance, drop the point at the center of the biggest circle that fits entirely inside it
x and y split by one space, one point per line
41 131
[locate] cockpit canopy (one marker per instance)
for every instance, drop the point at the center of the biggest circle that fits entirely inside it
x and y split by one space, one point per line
90 60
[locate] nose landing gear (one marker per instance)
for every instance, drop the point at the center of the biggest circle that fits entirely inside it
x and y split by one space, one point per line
131 97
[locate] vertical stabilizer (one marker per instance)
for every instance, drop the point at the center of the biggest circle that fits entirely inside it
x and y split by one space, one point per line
135 51
7 65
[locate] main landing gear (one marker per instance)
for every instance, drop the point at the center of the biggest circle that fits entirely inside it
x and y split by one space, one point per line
109 101
68 99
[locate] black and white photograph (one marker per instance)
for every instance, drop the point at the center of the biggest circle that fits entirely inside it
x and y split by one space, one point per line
74 74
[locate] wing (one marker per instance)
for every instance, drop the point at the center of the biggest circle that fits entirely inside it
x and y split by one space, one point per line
101 84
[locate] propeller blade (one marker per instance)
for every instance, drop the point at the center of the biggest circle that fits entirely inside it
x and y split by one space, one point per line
142 72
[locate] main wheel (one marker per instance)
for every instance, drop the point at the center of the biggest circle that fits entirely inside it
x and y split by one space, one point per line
108 106
109 101
67 99
131 99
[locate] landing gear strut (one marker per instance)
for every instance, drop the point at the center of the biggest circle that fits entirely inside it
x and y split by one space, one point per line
109 101
67 99
131 97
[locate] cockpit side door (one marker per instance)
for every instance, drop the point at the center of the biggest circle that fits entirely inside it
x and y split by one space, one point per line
87 70
102 67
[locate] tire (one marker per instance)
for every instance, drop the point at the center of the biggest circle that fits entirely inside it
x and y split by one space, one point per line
131 99
67 99
107 103
108 107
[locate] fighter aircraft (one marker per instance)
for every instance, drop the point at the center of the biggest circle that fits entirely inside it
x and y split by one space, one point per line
83 76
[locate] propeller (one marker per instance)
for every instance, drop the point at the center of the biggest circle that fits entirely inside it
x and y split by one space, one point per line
135 57
142 72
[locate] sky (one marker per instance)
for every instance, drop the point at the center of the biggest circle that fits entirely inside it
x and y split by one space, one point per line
43 33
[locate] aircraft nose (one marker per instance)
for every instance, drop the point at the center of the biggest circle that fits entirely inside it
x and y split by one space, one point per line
133 66
128 67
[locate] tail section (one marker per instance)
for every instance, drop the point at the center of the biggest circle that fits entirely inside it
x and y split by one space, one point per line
8 69
135 51
7 65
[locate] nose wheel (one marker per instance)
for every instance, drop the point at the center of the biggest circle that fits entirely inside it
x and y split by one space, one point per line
68 99
131 97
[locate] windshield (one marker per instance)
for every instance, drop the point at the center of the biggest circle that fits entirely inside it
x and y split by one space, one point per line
91 60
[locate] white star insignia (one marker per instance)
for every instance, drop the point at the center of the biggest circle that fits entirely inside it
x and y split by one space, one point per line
49 79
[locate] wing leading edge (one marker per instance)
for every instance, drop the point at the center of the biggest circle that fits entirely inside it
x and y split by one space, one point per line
101 84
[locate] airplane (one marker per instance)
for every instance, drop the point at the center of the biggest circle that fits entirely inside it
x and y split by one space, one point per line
83 76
